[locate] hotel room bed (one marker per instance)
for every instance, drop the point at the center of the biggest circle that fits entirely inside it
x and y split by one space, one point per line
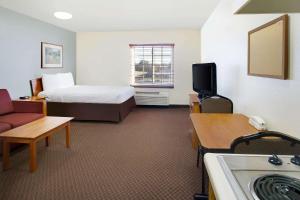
89 94
83 102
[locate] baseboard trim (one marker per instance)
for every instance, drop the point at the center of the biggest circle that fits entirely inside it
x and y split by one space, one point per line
169 106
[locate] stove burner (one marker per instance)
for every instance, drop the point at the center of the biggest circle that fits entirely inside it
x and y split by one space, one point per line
273 187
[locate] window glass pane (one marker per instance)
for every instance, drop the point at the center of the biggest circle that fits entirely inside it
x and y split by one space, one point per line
157 60
153 65
157 51
147 59
166 60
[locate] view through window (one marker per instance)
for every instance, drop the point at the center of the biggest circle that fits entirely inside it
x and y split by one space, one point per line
152 65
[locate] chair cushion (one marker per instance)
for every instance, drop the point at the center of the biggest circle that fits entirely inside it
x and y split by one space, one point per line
6 105
4 127
19 119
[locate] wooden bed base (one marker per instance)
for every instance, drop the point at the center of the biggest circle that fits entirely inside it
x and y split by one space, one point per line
92 111
85 111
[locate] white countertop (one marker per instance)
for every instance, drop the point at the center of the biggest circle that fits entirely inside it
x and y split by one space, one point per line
227 186
220 185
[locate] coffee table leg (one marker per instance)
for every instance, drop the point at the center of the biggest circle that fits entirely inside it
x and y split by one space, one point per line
32 154
6 150
68 135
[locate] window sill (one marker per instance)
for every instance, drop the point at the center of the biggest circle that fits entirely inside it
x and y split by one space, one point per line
153 86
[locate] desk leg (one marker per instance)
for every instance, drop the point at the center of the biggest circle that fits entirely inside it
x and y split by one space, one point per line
203 174
198 156
195 141
47 140
203 195
6 150
68 135
32 154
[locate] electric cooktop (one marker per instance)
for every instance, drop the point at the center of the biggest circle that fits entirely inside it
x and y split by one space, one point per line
263 177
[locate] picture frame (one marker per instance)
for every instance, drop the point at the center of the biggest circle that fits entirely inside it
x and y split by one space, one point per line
51 55
268 49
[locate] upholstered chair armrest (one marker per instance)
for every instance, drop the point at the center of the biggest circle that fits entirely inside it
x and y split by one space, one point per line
28 106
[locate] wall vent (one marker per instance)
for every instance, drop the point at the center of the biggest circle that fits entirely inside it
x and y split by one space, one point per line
152 98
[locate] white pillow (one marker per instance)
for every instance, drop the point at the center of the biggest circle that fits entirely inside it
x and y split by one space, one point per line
66 80
51 82
55 81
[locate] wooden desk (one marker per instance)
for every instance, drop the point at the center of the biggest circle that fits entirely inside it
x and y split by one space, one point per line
216 132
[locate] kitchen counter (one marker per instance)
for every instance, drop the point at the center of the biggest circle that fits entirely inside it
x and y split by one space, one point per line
217 178
250 176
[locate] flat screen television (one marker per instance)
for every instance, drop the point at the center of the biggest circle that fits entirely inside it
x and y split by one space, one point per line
205 79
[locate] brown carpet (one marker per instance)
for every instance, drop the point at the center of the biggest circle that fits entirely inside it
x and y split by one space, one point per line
147 156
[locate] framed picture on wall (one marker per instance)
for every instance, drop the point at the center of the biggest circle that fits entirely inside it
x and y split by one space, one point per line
52 55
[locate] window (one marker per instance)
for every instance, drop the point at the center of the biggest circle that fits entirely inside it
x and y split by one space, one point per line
152 65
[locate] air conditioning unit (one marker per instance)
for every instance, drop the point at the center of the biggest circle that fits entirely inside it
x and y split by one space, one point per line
152 98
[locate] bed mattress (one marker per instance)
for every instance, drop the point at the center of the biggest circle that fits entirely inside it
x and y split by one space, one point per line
89 94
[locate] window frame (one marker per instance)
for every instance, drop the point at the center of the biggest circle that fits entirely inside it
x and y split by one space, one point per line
132 79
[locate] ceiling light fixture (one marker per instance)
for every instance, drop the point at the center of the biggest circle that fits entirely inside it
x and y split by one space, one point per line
63 15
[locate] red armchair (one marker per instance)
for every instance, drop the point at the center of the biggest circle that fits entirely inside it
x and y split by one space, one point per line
17 113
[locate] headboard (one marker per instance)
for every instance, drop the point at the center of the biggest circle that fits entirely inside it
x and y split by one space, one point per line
36 86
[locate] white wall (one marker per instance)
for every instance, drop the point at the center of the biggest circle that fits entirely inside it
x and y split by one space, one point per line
224 41
104 57
20 50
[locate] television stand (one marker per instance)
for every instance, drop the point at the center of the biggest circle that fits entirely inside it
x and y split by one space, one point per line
194 103
194 108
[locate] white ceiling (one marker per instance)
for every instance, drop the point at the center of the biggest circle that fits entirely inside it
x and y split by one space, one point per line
115 15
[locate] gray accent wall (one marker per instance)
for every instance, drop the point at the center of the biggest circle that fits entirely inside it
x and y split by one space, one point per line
20 50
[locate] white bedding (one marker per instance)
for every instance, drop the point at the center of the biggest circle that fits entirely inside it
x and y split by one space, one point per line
89 94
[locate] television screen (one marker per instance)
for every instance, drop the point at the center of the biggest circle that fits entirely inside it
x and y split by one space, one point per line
205 79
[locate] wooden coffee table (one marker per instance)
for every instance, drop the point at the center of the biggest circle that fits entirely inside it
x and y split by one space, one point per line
31 133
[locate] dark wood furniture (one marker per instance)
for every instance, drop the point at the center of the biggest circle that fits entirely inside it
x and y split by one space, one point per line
36 86
85 111
31 133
